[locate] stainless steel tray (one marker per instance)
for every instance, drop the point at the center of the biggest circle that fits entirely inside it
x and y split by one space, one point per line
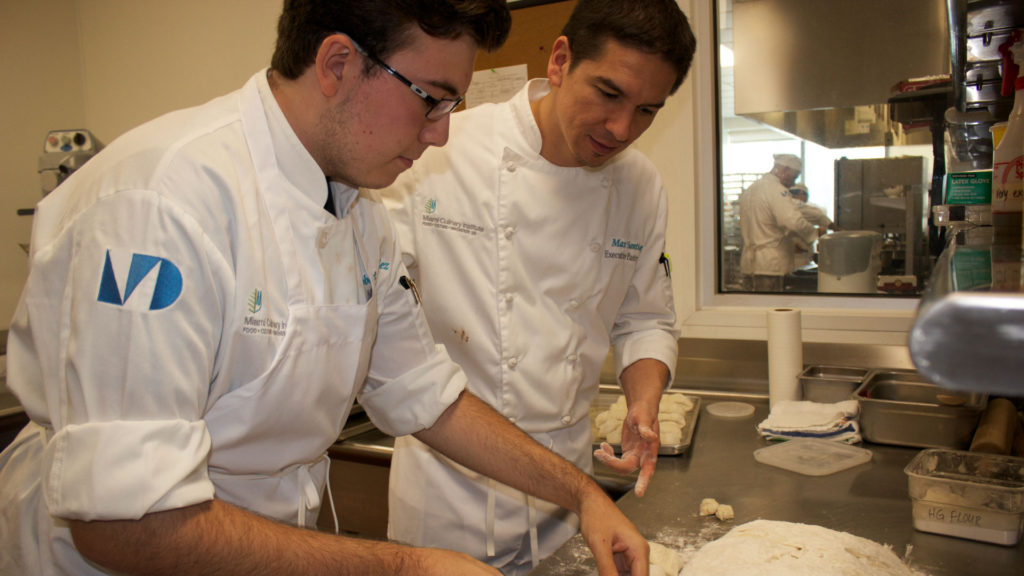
903 408
604 400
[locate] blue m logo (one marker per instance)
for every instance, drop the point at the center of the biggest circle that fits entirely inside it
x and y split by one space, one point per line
154 282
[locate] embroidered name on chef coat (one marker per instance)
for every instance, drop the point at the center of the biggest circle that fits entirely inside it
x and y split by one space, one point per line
623 250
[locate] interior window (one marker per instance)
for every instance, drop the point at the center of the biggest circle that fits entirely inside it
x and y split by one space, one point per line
857 92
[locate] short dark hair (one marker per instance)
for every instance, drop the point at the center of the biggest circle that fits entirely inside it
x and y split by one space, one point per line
651 26
381 27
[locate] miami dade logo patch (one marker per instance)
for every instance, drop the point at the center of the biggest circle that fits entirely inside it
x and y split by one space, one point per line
138 281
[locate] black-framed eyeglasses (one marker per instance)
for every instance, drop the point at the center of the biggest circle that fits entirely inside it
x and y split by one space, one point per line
436 108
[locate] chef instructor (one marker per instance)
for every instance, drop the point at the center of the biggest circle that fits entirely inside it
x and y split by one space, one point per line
537 239
768 215
208 296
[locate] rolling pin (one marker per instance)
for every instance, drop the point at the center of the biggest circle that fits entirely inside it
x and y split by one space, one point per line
997 428
1018 440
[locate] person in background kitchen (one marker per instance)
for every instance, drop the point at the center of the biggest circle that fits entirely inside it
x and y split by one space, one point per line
802 252
767 215
537 239
208 296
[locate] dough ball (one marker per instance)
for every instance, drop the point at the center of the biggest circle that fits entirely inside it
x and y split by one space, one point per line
724 512
771 548
675 402
614 436
665 559
675 417
708 506
618 411
670 435
611 425
603 418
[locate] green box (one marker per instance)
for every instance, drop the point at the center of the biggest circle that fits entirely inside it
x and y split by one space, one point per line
969 187
972 268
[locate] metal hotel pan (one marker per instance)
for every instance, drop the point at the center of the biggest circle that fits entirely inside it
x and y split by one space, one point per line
605 399
828 384
901 407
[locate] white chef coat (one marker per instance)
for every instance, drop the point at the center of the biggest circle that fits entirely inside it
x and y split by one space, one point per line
767 214
190 329
817 217
528 272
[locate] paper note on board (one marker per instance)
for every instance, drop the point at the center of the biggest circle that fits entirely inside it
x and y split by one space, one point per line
495 84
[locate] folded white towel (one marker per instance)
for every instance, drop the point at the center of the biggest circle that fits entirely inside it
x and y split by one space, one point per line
804 419
803 415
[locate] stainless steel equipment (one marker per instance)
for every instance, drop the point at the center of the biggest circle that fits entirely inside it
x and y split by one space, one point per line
828 384
887 195
65 151
968 332
900 407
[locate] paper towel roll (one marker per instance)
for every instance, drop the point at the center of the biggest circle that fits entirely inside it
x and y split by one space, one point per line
785 355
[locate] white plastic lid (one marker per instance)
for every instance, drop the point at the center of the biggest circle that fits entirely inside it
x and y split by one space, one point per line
812 456
732 410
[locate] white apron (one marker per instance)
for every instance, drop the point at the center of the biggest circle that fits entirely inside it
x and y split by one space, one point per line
270 436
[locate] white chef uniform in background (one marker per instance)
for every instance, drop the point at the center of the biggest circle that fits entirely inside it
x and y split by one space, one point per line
203 355
767 215
528 272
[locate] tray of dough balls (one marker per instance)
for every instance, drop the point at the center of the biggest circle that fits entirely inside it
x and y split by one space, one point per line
677 418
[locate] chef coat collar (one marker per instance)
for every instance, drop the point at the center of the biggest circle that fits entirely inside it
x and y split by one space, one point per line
294 161
529 130
522 114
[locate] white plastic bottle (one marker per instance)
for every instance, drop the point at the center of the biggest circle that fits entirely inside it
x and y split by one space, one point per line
1008 159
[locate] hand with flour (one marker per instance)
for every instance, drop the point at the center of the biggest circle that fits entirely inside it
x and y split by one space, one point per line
642 383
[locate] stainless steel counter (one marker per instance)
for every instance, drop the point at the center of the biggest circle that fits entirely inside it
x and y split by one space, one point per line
869 500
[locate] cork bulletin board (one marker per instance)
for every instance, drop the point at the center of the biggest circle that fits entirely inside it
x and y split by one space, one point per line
535 25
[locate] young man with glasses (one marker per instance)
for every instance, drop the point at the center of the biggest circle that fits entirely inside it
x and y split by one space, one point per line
196 325
537 239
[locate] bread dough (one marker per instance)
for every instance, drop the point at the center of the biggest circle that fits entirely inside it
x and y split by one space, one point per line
724 512
615 436
665 559
708 506
670 435
673 402
676 417
772 548
672 409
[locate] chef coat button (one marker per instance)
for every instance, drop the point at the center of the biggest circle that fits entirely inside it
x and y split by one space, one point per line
566 419
322 239
512 419
513 362
606 182
510 166
574 304
571 357
595 247
510 231
509 297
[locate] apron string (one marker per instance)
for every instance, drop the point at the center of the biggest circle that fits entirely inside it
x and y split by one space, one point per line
309 496
490 517
531 504
330 500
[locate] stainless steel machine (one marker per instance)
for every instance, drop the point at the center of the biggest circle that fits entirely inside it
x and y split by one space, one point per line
64 151
887 196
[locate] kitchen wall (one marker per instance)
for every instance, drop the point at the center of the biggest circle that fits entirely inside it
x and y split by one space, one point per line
107 65
42 87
